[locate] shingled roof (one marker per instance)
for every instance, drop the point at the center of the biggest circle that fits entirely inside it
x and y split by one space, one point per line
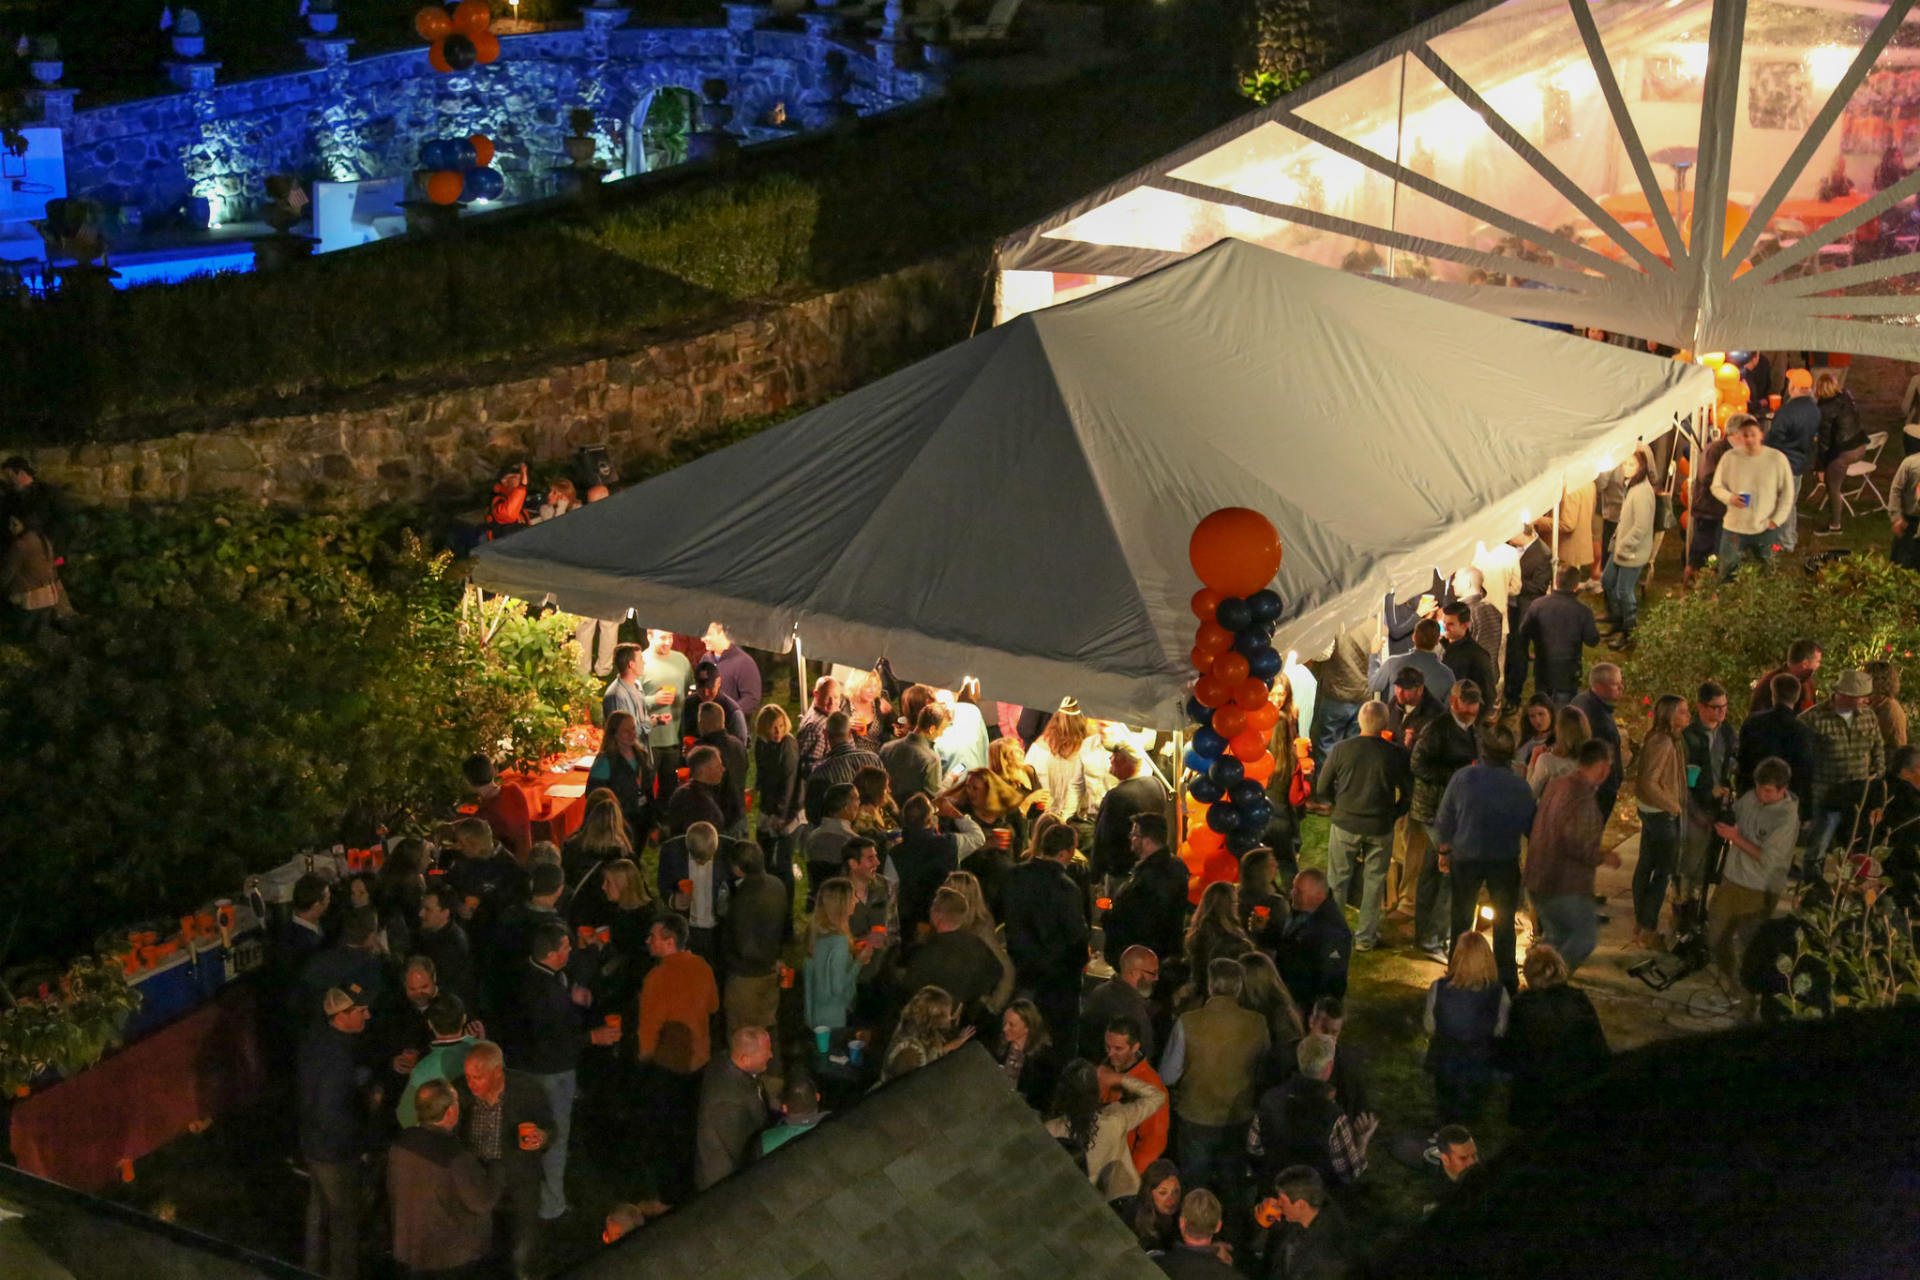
945 1172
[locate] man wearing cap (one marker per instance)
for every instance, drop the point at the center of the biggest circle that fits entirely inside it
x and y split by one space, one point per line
332 1084
707 688
739 673
1792 432
1847 754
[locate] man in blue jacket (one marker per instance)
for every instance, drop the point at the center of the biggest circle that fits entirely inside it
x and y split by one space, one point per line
1485 813
334 1131
1793 431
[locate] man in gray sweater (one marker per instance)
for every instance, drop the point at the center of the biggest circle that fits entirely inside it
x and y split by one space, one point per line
1756 484
1366 785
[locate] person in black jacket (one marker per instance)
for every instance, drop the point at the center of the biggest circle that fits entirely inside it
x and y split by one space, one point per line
927 854
1605 687
1132 794
1311 1241
1536 580
1558 629
1840 444
1464 655
955 959
335 1132
1554 1046
1777 731
1150 909
494 1105
735 757
1261 905
1316 948
1047 932
544 1036
441 940
776 767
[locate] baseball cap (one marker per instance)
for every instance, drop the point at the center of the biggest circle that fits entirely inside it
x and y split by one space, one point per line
340 999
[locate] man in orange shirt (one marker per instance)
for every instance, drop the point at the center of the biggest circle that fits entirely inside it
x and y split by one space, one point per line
678 1002
1148 1141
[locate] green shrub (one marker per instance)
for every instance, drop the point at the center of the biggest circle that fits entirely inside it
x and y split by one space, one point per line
243 681
1860 609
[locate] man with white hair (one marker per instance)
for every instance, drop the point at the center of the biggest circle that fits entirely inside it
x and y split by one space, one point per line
1300 1122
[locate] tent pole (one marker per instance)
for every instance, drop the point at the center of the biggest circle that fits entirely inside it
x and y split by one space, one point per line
799 672
1556 530
1178 770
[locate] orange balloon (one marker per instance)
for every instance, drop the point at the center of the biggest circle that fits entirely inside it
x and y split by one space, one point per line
1204 838
1211 691
1235 551
1249 693
1202 662
472 17
1262 717
1250 745
1231 667
1212 638
1214 867
444 187
1204 602
437 59
432 22
486 47
1260 769
1229 721
482 149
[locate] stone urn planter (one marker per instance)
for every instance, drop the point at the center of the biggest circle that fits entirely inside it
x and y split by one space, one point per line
189 46
322 24
47 71
579 148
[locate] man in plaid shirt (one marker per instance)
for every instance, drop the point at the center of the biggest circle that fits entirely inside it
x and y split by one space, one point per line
812 733
1847 753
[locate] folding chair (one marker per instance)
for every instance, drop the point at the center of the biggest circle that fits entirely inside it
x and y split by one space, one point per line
1863 472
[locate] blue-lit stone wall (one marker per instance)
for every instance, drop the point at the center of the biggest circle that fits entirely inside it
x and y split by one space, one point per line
367 117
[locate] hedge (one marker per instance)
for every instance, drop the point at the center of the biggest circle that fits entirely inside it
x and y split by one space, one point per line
547 281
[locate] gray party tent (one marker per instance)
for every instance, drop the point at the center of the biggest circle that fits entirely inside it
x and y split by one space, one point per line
1017 507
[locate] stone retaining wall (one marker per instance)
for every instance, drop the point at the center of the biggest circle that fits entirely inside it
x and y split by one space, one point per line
448 444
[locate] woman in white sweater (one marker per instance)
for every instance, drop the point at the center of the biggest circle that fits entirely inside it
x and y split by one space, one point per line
1632 547
1096 1135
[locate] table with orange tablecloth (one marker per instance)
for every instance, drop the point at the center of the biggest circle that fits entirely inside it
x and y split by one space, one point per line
553 817
1815 214
134 1102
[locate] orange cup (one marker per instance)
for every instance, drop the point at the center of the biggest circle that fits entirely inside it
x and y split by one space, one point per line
786 977
686 887
1773 402
1105 904
604 933
529 1135
1261 913
586 934
613 1020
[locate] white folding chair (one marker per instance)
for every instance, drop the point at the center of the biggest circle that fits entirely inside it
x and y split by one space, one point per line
1862 471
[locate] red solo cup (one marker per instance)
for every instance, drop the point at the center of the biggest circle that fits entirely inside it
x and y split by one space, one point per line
604 933
1105 904
613 1020
586 934
786 977
1002 838
1773 402
1261 913
683 774
1039 806
685 886
529 1135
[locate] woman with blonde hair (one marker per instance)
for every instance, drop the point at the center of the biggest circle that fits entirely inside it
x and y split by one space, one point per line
1570 732
1660 789
1466 1014
922 1033
602 838
981 924
626 911
1007 760
832 967
988 800
1056 759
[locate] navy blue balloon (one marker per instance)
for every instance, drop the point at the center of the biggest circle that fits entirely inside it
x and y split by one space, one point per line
1197 713
465 154
1207 743
1224 818
483 184
1242 843
1246 792
1250 641
437 154
1265 663
1197 763
1226 771
1254 817
1205 789
1233 613
1267 606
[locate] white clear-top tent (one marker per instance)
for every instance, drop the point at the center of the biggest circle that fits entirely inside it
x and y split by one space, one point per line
1659 168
